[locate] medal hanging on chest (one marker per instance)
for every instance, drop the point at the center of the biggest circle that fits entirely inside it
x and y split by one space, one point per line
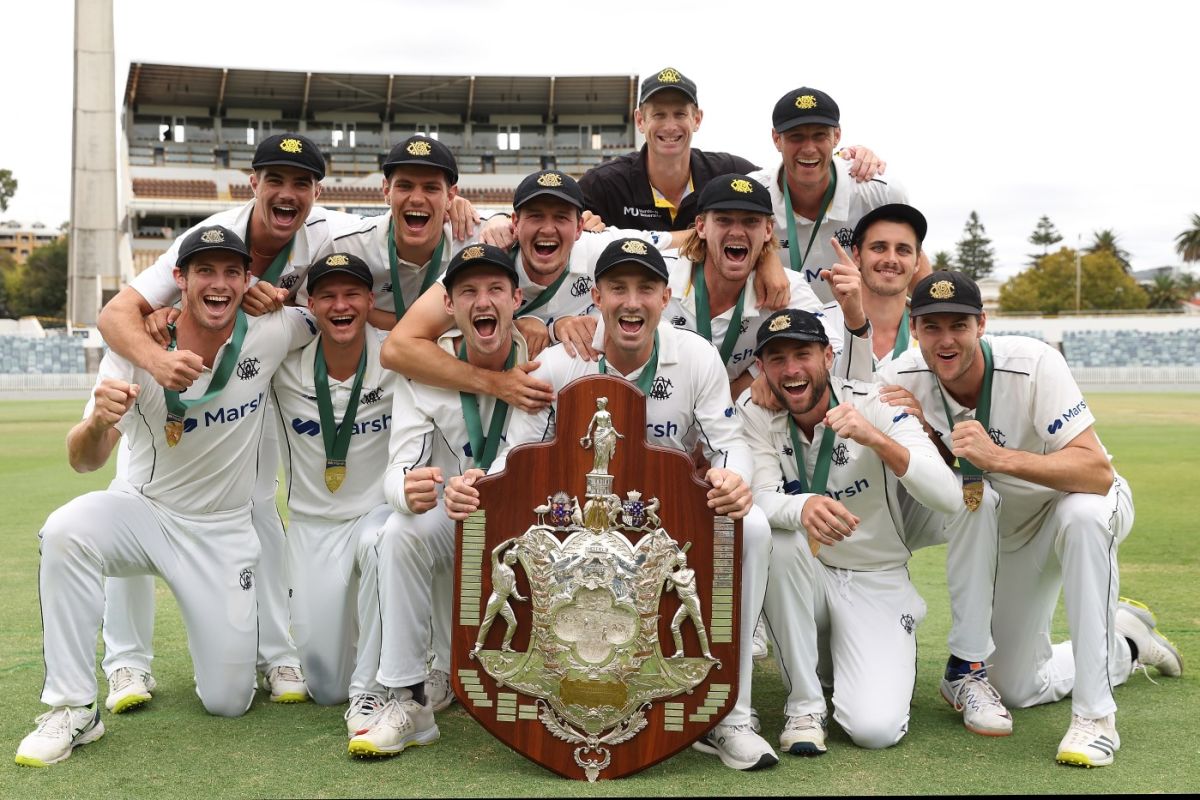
820 477
972 476
336 436
177 407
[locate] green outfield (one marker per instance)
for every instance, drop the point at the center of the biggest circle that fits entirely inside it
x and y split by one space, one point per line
173 749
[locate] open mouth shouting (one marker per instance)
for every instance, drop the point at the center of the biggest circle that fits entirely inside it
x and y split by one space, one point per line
808 163
284 216
217 304
416 221
341 321
485 326
545 248
736 253
631 323
795 389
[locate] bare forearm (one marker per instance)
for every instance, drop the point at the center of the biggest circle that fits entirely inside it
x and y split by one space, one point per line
89 446
425 362
1072 469
381 320
122 324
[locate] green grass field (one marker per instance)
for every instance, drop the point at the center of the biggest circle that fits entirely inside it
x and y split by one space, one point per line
173 749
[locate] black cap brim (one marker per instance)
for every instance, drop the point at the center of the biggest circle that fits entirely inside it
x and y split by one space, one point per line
641 261
388 166
738 205
813 119
915 219
283 162
329 273
242 254
674 87
795 337
945 308
552 193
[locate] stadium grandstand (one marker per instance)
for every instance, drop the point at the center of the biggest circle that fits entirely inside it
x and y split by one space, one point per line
190 133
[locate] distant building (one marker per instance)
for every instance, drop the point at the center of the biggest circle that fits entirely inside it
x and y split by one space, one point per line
19 240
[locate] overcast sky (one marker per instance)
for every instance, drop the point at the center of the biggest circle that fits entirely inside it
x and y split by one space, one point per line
1085 111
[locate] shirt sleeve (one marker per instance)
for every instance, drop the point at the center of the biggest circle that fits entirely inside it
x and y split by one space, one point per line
782 510
718 423
928 479
298 326
1059 411
524 427
115 367
409 445
157 283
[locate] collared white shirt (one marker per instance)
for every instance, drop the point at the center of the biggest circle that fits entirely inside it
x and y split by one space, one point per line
851 201
1036 407
858 477
157 283
213 467
688 403
862 363
294 392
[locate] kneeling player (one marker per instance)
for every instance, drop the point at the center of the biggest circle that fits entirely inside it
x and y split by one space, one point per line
827 472
183 511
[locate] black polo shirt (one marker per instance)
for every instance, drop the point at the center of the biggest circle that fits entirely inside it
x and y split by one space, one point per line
619 192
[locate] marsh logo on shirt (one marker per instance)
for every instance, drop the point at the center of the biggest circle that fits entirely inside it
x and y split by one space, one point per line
661 388
841 455
998 437
581 286
908 622
249 368
845 237
1067 416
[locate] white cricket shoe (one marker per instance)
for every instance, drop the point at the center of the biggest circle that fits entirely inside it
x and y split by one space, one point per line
400 724
983 711
438 692
287 685
128 688
760 641
1089 742
1136 622
57 734
363 707
738 747
804 735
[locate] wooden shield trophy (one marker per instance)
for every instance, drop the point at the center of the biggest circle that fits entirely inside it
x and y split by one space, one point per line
597 638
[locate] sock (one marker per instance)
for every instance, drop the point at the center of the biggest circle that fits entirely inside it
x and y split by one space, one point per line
1133 649
418 692
956 668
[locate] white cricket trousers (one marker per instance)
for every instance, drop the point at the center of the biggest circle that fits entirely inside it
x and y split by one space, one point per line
129 602
863 622
335 603
207 561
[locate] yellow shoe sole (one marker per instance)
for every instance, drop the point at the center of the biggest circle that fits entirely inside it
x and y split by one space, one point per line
1078 760
368 750
131 702
290 697
26 761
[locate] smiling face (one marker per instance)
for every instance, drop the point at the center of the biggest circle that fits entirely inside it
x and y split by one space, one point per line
419 198
341 304
807 151
887 257
733 240
668 120
212 284
797 373
631 301
482 303
546 230
950 345
283 197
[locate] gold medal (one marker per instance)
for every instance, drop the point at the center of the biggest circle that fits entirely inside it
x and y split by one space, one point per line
813 546
972 491
335 473
174 431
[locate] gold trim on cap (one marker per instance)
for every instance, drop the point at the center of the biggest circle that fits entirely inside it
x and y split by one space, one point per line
741 185
550 179
781 323
941 290
472 252
635 247
419 148
291 146
337 260
214 236
669 75
806 101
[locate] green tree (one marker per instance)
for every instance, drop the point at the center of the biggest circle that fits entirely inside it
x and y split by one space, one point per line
8 187
975 254
1049 287
941 260
1044 235
10 280
1187 244
43 286
1108 241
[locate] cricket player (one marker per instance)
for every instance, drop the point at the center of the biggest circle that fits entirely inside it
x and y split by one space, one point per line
418 543
1046 514
181 511
688 403
828 471
334 403
814 197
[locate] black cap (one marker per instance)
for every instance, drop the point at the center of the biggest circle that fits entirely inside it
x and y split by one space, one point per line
891 212
340 264
790 323
736 192
668 78
804 106
425 152
631 251
551 182
292 150
946 292
211 237
478 255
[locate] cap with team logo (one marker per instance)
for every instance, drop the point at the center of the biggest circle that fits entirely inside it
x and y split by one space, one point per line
548 182
891 212
735 192
292 150
477 255
632 251
340 264
790 323
211 237
946 292
668 78
424 151
805 106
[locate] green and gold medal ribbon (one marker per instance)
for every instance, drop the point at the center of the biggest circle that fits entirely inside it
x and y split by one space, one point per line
646 379
272 273
484 450
336 435
704 314
972 476
433 269
177 407
826 201
820 478
543 298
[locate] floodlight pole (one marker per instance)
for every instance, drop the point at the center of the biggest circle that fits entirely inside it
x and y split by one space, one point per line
1078 270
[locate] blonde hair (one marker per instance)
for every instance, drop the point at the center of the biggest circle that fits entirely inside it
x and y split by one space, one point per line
694 248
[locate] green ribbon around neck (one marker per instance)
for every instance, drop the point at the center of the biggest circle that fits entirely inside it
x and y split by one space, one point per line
431 270
177 407
272 273
336 435
704 314
533 305
983 409
646 379
483 451
826 200
820 476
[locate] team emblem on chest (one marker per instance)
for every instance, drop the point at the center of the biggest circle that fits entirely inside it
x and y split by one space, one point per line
841 455
661 388
248 368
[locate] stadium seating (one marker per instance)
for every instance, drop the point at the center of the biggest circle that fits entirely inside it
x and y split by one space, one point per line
182 189
1132 348
52 354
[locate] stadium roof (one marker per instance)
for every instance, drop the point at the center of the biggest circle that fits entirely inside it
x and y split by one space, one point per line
303 94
